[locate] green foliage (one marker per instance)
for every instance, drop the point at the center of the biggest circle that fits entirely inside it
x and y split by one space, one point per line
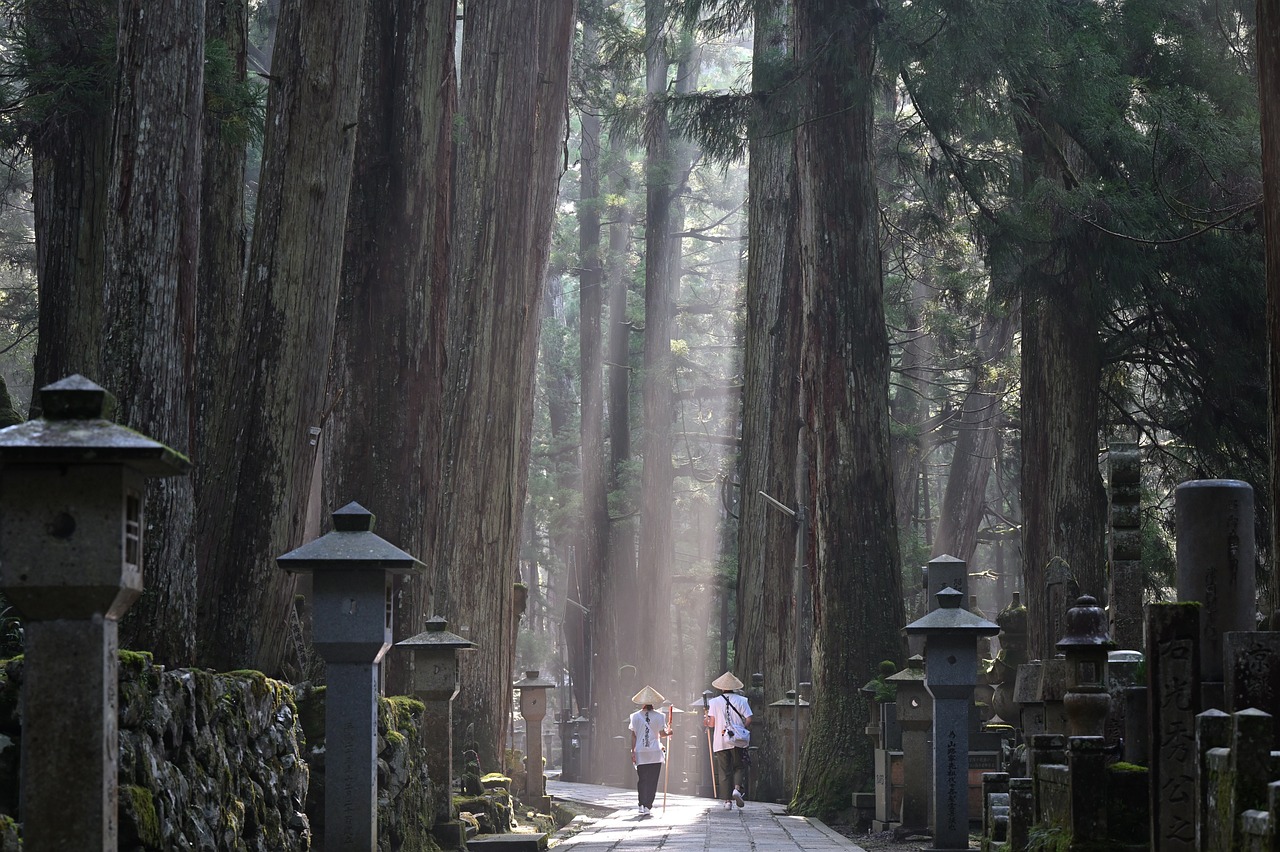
237 107
1053 838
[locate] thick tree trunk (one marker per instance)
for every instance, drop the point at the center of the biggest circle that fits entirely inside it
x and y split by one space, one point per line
1063 500
71 161
223 235
382 438
594 530
662 278
515 62
973 459
857 584
1268 38
613 593
767 611
152 260
258 485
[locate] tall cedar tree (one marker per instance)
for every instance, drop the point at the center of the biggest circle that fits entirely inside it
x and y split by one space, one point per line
223 231
651 629
594 524
380 442
1268 39
258 481
857 584
509 136
69 56
152 247
767 538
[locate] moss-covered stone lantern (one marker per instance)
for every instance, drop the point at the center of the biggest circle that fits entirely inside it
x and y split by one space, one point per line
433 679
351 570
71 545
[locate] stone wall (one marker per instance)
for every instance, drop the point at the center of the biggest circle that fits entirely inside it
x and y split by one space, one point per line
230 762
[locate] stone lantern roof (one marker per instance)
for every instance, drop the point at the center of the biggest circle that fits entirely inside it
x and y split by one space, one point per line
949 617
77 429
437 636
352 545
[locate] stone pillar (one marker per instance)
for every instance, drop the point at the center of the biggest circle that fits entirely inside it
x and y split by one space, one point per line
951 672
1173 697
1021 813
915 717
1251 764
1213 731
1136 733
1087 759
1216 567
1125 545
533 708
433 674
71 545
995 794
946 572
351 570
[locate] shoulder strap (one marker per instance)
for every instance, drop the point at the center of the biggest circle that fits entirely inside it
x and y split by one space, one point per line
729 704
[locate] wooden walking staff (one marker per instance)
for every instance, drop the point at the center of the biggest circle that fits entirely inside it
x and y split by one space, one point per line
667 778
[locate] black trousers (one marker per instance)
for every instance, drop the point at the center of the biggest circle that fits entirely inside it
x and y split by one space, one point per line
647 782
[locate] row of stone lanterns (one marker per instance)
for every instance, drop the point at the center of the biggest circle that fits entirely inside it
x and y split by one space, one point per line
71 545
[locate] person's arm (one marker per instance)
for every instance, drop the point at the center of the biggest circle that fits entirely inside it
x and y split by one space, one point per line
633 746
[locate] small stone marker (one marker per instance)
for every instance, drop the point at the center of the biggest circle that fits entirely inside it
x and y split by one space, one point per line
1173 696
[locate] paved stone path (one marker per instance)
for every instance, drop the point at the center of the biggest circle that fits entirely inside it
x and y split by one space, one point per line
689 824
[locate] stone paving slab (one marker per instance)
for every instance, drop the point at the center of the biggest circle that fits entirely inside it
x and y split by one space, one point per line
688 824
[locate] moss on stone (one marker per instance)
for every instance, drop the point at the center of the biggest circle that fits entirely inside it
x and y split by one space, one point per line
139 809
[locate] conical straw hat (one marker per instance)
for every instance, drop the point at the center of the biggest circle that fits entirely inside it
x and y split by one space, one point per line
727 682
648 695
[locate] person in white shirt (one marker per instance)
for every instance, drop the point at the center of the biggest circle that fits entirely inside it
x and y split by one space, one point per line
648 729
728 715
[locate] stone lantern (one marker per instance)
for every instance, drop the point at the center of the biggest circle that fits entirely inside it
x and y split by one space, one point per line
915 717
1086 647
71 545
351 586
433 679
951 636
793 716
533 707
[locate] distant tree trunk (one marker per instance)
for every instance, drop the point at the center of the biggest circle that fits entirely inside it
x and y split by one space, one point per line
661 280
1268 39
223 235
764 640
515 62
594 529
152 261
257 486
973 461
619 566
71 161
913 438
858 590
382 438
1063 501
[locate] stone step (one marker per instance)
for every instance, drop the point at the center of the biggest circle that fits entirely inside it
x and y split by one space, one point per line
509 842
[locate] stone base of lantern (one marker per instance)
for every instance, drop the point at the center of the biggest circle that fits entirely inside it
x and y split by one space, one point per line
450 835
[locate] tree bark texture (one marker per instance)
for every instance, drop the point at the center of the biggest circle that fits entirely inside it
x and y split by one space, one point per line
510 133
857 587
1268 41
152 262
258 485
382 438
223 233
766 599
1063 500
71 161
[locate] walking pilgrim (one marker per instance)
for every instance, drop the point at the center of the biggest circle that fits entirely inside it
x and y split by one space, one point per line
648 729
728 721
